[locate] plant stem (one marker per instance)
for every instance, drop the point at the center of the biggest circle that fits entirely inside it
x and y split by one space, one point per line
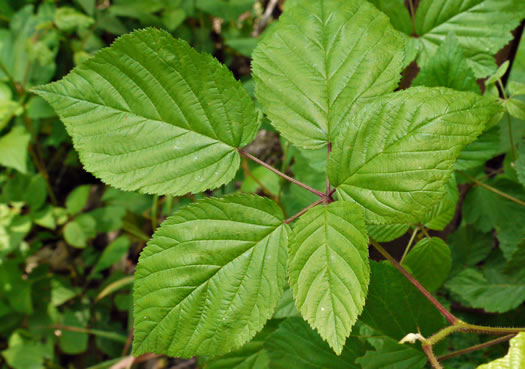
269 167
490 188
427 348
423 229
476 347
511 139
407 249
290 220
447 314
466 327
248 173
327 160
503 92
412 15
34 150
154 211
490 330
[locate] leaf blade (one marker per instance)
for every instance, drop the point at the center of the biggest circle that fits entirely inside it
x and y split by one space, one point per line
389 171
323 60
328 268
159 118
224 261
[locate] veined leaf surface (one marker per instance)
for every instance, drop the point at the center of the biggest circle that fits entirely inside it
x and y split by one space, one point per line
329 271
152 114
323 60
396 155
482 27
210 277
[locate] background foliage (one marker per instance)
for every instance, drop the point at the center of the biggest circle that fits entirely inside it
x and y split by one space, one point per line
69 244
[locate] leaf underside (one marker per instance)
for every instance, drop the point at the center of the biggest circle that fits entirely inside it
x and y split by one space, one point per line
210 277
324 60
151 114
329 270
396 155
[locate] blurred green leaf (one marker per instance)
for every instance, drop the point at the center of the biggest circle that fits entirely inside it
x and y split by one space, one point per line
14 149
24 353
113 253
72 342
78 231
77 199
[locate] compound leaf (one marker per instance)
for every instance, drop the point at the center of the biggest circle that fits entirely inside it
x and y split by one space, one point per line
396 155
329 270
152 114
482 28
210 277
321 63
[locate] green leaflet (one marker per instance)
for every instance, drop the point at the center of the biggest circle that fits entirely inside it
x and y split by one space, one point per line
397 12
393 355
515 358
152 114
210 277
395 307
329 271
468 247
295 345
448 68
13 149
396 155
493 291
487 210
321 63
482 28
478 152
430 262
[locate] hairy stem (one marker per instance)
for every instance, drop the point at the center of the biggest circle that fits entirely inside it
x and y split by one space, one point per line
248 173
476 347
427 349
447 314
291 219
490 188
490 330
287 177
